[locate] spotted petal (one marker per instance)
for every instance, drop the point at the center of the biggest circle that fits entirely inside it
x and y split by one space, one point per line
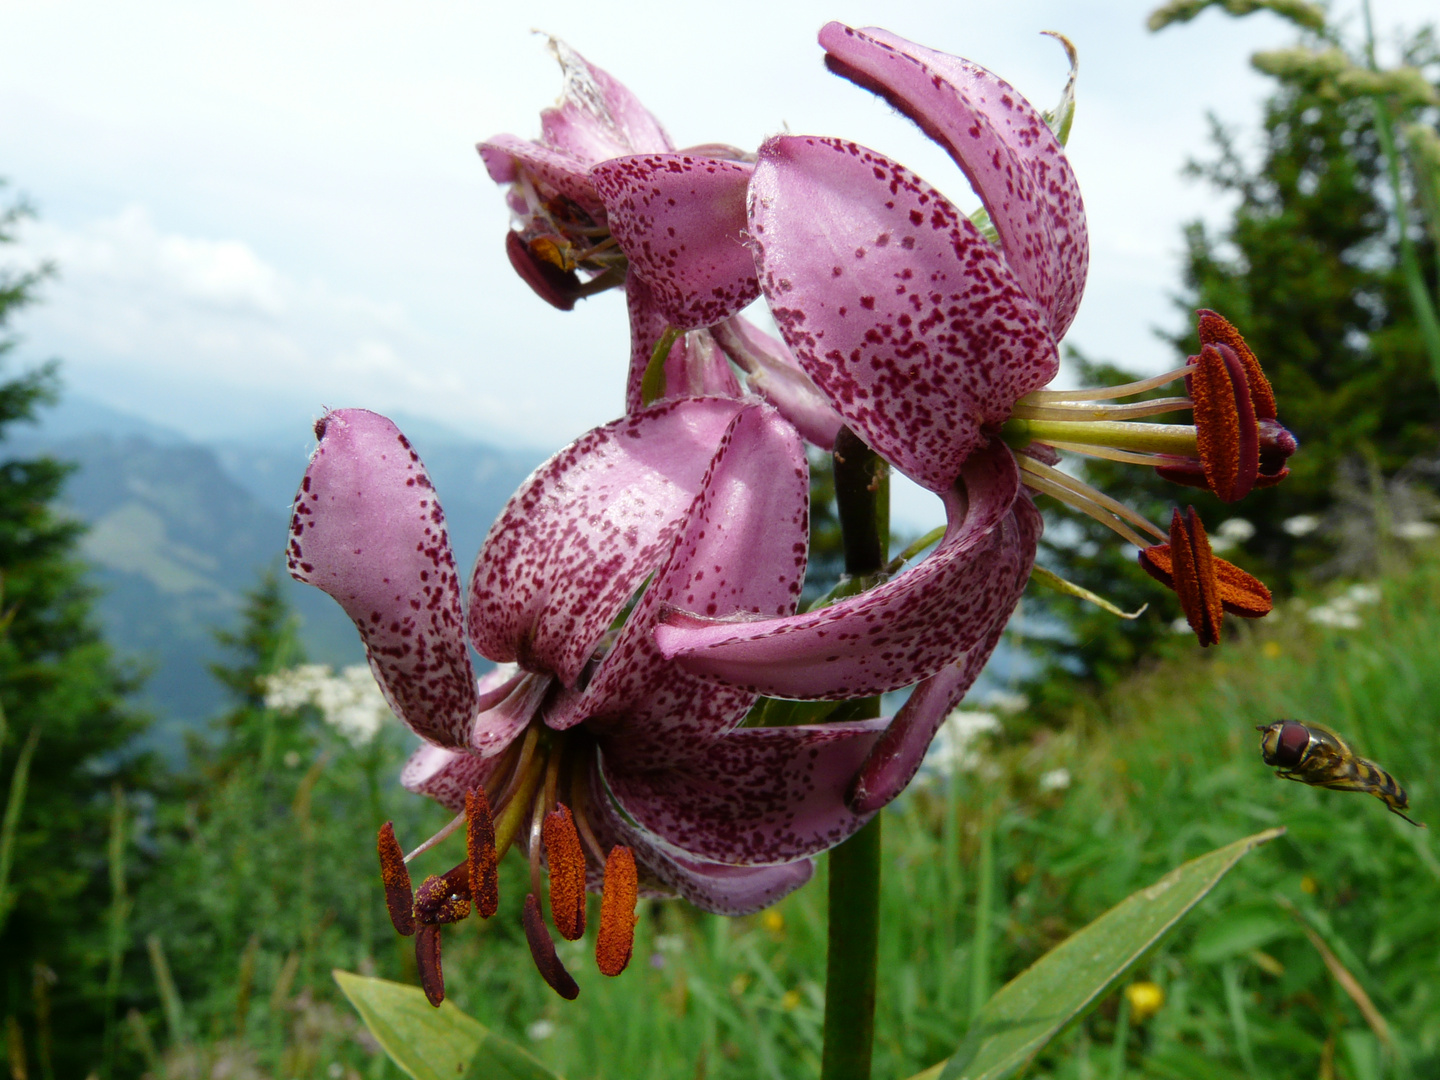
1013 160
507 156
895 634
755 797
598 117
368 529
446 775
680 219
582 533
772 371
715 887
894 303
740 549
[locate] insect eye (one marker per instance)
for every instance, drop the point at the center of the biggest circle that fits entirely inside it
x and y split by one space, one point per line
1294 738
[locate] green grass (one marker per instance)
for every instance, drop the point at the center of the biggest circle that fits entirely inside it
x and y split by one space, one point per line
1164 769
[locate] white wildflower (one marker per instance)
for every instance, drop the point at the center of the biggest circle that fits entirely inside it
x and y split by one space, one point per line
1339 616
539 1030
350 702
1054 780
1301 524
952 750
1363 594
1231 533
1007 702
1417 530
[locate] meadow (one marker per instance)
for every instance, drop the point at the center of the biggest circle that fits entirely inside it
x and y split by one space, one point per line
1315 957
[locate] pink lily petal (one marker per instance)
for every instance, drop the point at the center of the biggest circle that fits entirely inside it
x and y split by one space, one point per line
507 156
893 635
894 303
368 530
756 796
585 530
446 775
714 887
741 548
694 367
598 116
772 371
680 219
896 758
1004 146
495 728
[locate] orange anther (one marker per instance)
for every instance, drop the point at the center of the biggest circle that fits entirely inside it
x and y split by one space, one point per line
1193 576
567 873
1215 329
1226 433
427 959
542 949
399 896
480 854
616 939
1206 586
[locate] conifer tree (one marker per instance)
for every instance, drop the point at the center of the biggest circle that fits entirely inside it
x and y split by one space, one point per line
61 687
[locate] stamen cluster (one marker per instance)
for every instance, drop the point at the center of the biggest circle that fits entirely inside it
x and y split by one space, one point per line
448 898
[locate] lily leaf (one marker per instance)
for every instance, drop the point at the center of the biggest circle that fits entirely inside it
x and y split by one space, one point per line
1070 979
434 1044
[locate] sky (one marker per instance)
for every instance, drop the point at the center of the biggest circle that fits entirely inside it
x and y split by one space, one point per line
261 210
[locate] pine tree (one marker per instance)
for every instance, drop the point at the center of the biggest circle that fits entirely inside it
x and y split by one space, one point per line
61 686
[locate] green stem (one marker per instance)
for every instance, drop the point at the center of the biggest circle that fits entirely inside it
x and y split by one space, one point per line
862 496
850 972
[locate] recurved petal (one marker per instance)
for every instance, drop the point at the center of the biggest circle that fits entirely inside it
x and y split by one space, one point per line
893 302
680 219
897 755
582 533
772 371
368 529
897 633
741 549
757 796
446 775
598 116
714 887
506 157
1004 146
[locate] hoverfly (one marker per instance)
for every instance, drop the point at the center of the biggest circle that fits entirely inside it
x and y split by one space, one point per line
1315 755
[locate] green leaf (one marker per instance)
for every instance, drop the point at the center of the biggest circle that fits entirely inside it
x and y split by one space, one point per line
434 1044
1070 979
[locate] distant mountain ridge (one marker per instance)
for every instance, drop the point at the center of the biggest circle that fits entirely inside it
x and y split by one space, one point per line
179 530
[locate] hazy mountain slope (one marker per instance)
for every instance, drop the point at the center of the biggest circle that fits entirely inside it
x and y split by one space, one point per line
179 531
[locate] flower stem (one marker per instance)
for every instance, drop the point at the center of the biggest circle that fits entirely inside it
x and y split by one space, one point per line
862 496
851 957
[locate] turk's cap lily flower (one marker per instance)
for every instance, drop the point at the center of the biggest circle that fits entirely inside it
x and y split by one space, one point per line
560 229
604 194
703 499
